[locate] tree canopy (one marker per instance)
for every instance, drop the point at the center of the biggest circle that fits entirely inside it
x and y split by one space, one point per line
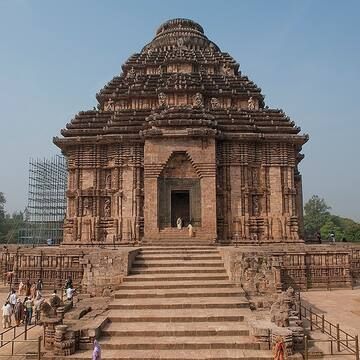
318 218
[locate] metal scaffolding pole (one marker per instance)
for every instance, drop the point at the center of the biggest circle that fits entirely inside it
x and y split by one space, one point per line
46 201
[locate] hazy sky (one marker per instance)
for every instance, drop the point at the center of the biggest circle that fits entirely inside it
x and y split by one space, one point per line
55 56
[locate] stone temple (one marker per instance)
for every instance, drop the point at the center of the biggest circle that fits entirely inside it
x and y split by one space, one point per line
181 132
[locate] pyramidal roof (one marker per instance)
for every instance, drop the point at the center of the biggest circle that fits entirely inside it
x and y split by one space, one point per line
181 79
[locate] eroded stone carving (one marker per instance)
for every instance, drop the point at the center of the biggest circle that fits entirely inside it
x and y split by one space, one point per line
107 207
283 308
87 206
162 98
198 100
251 103
215 104
109 106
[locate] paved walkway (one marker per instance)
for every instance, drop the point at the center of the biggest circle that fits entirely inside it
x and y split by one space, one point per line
338 306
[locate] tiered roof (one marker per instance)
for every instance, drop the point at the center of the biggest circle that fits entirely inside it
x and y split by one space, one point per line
179 63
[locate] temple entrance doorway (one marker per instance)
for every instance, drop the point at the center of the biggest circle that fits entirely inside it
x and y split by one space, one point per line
180 206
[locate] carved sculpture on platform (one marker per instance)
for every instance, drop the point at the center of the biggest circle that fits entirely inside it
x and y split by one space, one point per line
283 308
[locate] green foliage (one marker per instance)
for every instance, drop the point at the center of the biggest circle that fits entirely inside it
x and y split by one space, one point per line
317 217
316 213
9 224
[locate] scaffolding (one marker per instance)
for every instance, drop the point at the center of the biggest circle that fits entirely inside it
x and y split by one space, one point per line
46 201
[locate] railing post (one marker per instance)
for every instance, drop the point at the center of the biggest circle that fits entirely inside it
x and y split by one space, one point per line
322 323
12 347
331 347
311 324
338 337
25 333
2 337
306 347
357 347
39 348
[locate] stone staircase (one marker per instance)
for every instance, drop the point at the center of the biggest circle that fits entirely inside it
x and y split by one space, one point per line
178 303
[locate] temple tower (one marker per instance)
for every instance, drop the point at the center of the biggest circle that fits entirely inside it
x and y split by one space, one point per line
182 133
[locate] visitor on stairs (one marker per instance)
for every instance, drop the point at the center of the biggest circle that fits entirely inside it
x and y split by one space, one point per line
97 351
19 312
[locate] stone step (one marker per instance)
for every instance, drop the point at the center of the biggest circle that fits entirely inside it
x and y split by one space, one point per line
179 251
170 263
180 303
229 328
197 354
179 257
189 284
175 293
135 270
171 342
179 315
174 277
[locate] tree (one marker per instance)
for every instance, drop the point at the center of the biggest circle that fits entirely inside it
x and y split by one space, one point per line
2 205
316 214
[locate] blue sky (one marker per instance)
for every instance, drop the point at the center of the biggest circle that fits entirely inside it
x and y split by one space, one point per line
305 55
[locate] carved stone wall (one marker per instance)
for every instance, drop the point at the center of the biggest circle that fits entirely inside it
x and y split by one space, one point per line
105 194
301 266
258 193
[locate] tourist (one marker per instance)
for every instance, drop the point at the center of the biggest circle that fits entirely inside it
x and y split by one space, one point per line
33 291
39 300
70 294
28 303
21 287
19 312
332 237
28 287
279 349
12 299
39 286
191 232
68 283
318 237
6 315
179 223
97 351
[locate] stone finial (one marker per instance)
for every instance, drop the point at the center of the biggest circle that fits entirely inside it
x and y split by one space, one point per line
215 104
109 106
198 100
162 98
251 103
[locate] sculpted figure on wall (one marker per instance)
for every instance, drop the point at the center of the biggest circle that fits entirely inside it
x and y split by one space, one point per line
162 98
108 181
251 103
215 104
198 100
107 207
87 207
109 106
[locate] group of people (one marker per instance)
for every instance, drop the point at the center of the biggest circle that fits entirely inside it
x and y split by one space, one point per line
22 309
180 225
21 304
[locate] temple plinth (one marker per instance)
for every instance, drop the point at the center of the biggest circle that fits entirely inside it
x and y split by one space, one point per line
182 133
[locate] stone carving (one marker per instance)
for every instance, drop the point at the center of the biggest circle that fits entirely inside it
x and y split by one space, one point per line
131 73
283 308
251 103
87 207
255 273
227 70
107 207
109 106
162 98
180 42
198 100
108 181
215 104
255 205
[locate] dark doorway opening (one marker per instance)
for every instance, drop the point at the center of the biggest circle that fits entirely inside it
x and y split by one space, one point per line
180 207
